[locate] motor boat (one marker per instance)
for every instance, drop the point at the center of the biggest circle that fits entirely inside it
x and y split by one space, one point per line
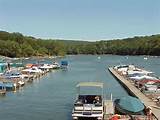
33 70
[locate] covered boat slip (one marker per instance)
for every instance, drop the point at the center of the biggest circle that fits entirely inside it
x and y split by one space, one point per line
136 92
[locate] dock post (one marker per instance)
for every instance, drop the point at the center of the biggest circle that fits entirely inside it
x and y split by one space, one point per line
15 87
111 97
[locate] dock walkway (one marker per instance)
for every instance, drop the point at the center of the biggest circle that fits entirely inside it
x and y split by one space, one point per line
136 92
108 109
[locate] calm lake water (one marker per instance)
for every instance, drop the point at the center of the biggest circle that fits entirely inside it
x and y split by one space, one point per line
52 96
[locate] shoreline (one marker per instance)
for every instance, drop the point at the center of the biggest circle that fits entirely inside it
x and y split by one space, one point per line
54 57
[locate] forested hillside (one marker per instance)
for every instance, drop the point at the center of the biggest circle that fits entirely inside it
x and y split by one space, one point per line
148 45
17 45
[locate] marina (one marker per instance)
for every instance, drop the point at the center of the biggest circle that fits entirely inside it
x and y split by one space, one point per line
80 60
52 94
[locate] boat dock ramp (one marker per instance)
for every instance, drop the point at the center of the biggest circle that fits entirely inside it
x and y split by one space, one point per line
134 91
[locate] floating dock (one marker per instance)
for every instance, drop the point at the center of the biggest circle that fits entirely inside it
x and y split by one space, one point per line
132 90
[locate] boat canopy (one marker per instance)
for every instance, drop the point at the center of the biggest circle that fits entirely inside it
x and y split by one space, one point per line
90 84
3 67
17 65
64 62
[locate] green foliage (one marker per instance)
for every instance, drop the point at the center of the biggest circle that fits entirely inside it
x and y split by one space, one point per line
148 45
17 45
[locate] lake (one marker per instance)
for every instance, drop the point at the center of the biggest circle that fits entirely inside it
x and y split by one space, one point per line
52 96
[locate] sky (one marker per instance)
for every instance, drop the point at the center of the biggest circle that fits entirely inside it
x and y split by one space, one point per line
81 19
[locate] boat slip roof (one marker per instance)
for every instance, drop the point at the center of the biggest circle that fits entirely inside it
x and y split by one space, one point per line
90 84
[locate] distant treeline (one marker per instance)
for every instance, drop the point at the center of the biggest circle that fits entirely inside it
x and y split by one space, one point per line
148 45
18 45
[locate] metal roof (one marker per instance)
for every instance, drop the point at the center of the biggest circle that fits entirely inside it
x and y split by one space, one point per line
90 84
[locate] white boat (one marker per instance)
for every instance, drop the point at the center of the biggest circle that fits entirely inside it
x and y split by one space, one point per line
124 68
46 67
140 77
33 70
145 58
89 105
55 65
121 67
13 75
152 87
139 71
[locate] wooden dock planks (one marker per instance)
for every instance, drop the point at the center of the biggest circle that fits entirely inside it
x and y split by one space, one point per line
136 92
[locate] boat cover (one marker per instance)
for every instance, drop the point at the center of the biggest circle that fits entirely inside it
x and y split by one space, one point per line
130 104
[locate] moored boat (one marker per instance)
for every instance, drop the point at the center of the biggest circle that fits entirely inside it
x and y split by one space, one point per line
141 77
13 75
129 105
33 70
10 86
55 65
89 106
64 64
